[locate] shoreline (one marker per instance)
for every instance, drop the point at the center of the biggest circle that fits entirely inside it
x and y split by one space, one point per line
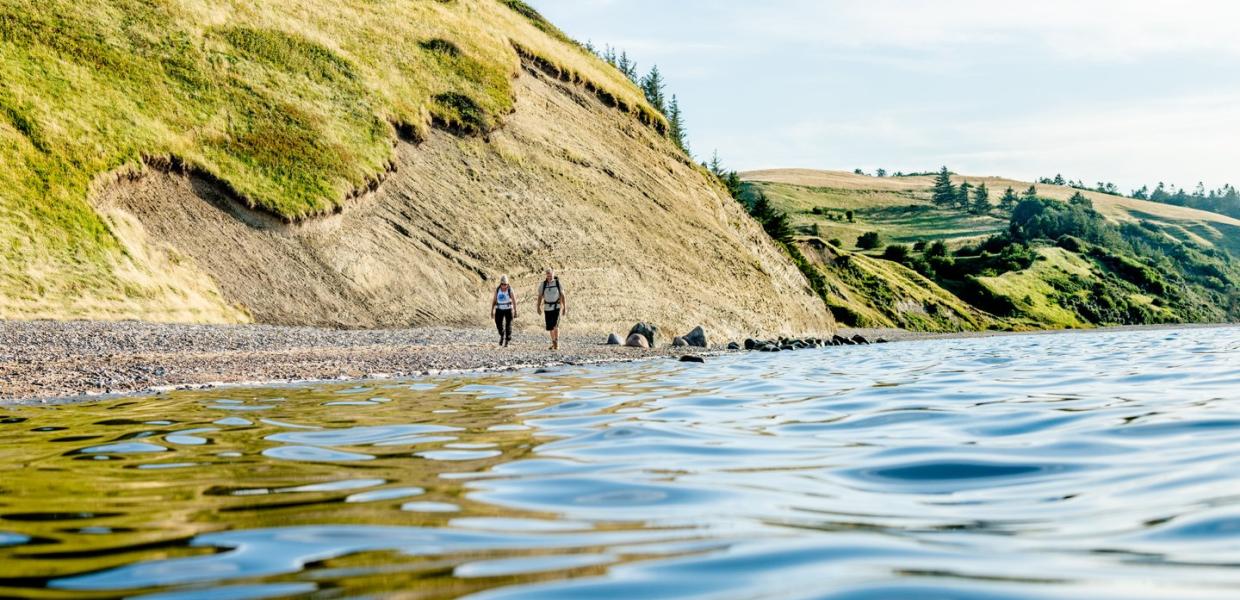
79 361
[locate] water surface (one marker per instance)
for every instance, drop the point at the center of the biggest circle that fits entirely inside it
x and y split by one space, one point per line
1088 465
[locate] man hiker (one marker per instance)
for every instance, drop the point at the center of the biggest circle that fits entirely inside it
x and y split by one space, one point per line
551 296
504 310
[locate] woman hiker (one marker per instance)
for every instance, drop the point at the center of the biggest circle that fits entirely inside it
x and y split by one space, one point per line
504 310
551 296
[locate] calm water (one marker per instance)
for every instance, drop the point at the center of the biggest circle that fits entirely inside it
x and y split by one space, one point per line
1065 466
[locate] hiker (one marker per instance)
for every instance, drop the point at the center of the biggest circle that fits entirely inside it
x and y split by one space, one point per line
551 296
504 310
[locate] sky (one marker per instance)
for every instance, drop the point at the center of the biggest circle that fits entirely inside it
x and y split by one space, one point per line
1131 92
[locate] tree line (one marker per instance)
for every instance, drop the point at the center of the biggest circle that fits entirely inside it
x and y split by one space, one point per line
653 87
975 198
1224 200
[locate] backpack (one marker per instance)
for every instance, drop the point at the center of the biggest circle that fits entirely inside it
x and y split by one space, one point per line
543 290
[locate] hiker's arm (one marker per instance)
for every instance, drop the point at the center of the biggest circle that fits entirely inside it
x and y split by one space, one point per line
563 303
512 296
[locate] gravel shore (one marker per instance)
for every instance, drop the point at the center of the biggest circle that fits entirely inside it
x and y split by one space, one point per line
77 359
44 360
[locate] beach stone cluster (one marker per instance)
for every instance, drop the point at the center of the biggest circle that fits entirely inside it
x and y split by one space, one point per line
783 344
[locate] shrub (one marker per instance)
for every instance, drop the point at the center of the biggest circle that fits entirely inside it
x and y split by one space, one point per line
919 246
836 242
896 252
1070 243
937 249
921 265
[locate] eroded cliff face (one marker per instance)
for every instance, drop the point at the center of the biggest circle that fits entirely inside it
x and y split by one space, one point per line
635 231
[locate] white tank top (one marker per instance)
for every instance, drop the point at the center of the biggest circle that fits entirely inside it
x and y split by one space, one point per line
503 300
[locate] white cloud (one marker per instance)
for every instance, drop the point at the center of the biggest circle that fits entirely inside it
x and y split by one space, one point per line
1180 140
1188 138
1125 91
1097 29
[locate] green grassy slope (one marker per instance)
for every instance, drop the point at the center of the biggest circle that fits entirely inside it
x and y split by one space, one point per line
294 105
902 216
1159 264
901 207
868 292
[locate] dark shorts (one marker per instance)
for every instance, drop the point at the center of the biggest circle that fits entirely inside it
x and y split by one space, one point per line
553 318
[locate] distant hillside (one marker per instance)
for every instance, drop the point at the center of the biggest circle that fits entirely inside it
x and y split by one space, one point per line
354 164
1145 262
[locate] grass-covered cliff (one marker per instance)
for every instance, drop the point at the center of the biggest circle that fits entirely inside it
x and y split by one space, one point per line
891 251
356 163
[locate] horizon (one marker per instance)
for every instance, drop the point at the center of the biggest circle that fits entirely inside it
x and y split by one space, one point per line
1127 93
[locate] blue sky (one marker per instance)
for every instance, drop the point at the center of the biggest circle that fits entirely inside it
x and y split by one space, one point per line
1130 92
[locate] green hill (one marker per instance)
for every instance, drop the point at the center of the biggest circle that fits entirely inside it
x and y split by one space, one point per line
358 164
1102 260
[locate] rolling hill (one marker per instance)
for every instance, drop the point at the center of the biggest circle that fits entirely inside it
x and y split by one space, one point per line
356 165
1148 263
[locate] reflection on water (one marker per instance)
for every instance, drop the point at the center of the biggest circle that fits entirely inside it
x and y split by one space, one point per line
1066 466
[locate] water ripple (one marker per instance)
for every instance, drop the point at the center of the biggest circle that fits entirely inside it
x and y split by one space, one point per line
1086 465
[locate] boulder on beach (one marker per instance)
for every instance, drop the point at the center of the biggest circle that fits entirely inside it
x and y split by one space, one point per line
650 332
752 344
697 337
637 340
613 340
840 340
859 339
733 346
692 359
679 342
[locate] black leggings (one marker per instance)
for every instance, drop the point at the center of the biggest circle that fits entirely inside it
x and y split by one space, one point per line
503 322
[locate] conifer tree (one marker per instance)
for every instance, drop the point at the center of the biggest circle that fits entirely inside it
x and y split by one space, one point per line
964 195
715 166
1009 199
1059 180
733 182
944 191
981 200
627 66
1030 194
676 125
652 84
774 221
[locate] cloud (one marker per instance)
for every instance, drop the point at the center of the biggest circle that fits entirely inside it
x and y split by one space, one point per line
1179 140
1125 91
1095 30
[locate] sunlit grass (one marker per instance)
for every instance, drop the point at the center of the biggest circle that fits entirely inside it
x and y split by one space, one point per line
292 104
